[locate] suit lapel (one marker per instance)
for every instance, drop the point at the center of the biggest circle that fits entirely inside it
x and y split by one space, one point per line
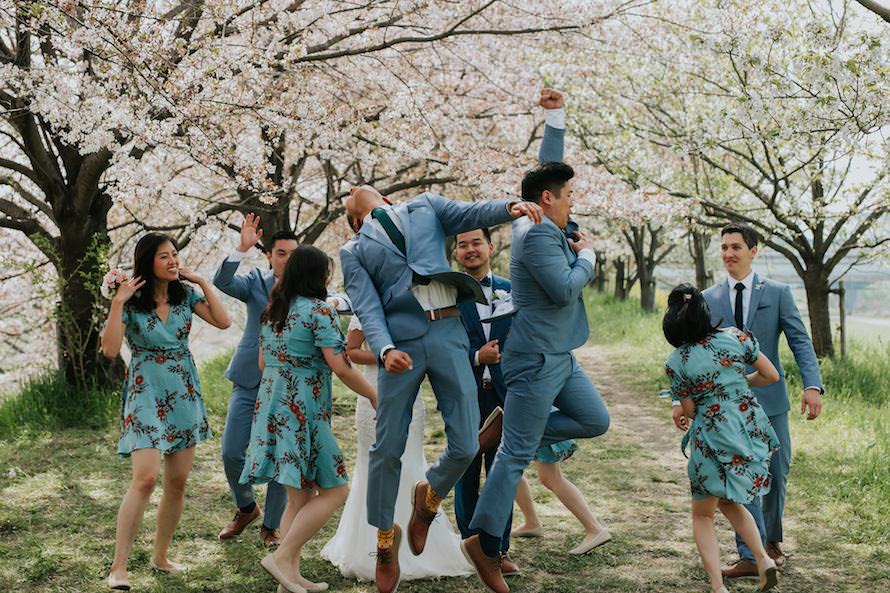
756 295
723 307
375 232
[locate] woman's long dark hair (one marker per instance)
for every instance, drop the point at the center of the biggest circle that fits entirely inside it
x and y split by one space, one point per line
305 274
143 266
688 317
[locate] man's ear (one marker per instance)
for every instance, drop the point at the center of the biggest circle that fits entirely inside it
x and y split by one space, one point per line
547 197
269 257
754 251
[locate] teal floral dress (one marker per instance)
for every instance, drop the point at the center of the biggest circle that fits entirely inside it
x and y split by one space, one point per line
162 406
732 439
291 440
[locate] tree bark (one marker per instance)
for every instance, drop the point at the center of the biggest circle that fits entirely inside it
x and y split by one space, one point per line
620 274
818 288
698 249
599 281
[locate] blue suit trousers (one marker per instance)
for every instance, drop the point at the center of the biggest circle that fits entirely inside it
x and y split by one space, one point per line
442 355
235 439
535 383
767 509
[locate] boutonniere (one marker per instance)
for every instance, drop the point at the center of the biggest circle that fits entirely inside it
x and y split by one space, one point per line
758 286
499 294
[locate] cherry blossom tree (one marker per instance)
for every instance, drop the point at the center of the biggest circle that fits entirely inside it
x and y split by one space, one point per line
176 115
771 114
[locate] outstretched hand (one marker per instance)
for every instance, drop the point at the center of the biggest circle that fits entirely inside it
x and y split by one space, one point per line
551 99
127 289
530 209
250 232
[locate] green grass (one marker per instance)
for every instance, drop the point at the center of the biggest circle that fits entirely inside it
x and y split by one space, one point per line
47 402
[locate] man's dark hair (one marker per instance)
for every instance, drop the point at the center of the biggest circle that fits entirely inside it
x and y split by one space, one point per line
688 317
487 234
749 235
282 236
305 274
551 176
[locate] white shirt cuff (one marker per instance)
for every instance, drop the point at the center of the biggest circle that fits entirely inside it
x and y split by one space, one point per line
589 255
236 256
385 349
819 389
476 359
555 118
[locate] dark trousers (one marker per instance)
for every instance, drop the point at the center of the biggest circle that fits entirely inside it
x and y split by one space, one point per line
466 491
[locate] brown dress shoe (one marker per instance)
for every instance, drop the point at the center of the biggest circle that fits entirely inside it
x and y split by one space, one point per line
387 572
741 568
269 537
421 518
490 433
488 568
508 567
237 525
775 552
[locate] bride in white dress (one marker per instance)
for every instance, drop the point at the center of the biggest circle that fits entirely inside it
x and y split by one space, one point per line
353 546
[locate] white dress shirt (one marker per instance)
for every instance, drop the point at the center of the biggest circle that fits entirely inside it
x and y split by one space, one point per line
484 311
748 283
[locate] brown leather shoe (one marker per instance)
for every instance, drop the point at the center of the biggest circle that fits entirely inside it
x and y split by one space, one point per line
508 567
387 572
237 525
775 552
741 568
488 568
490 433
421 518
269 537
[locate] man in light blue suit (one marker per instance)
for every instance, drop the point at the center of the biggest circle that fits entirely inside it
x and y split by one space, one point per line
405 295
765 308
550 264
244 372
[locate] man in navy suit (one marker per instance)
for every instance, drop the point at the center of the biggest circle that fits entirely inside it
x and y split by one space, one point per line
765 308
550 264
473 251
405 295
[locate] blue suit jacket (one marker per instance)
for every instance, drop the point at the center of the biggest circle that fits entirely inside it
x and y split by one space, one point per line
379 277
253 290
771 312
547 281
499 330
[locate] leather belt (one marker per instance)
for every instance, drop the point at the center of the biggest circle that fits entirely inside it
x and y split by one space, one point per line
487 384
436 314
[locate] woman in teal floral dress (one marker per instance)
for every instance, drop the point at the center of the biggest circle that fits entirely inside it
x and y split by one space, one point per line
291 440
162 412
730 435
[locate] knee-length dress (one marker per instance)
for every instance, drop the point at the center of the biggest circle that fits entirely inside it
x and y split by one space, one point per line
162 405
291 440
731 436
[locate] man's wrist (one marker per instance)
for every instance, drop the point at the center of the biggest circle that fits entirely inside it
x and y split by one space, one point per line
385 350
555 118
675 403
236 256
588 255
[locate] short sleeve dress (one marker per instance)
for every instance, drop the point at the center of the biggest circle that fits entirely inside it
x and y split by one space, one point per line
732 439
291 440
162 405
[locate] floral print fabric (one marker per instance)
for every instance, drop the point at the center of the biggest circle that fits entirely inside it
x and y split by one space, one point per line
291 440
731 436
162 406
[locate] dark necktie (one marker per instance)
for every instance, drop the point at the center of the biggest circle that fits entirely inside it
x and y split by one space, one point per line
390 227
739 317
485 281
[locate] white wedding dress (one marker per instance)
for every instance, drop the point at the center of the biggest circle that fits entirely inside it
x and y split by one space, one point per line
353 547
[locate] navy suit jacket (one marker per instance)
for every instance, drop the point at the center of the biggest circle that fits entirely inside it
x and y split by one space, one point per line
498 331
252 289
771 312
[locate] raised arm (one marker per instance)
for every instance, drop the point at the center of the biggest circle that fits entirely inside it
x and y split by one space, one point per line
113 334
553 144
225 279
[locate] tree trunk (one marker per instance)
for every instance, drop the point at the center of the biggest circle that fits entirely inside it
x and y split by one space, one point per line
816 283
83 242
599 282
698 248
647 288
620 272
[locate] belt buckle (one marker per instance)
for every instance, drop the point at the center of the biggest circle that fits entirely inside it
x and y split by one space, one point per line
487 384
436 314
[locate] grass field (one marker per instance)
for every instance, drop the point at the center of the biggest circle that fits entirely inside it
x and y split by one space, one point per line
60 489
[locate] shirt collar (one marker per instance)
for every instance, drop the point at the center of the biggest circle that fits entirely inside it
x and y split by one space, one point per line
747 281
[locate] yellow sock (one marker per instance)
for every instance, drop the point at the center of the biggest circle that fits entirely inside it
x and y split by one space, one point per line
432 500
385 538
